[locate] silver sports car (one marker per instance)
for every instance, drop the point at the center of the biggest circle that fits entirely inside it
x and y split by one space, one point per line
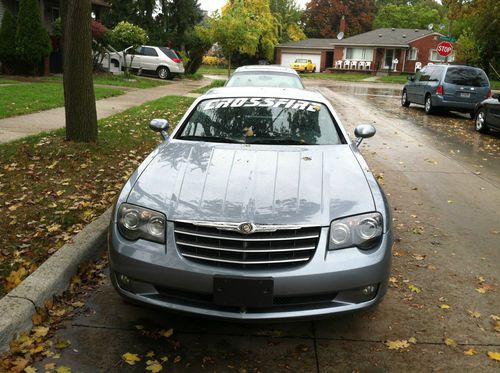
258 206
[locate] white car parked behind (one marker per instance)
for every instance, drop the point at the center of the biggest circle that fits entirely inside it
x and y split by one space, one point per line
162 60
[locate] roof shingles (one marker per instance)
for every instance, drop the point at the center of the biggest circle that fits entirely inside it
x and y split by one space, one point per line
385 37
309 43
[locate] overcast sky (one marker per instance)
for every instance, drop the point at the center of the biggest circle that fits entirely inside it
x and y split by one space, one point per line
212 5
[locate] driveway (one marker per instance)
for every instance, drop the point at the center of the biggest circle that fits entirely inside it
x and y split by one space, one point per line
443 183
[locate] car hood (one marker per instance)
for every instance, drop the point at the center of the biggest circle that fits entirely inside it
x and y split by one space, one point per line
256 183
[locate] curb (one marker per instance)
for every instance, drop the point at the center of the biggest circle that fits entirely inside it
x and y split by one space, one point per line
51 278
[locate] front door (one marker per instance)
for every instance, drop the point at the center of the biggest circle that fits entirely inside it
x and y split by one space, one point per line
389 56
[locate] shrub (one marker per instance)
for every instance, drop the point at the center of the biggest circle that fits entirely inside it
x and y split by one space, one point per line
8 40
32 40
214 61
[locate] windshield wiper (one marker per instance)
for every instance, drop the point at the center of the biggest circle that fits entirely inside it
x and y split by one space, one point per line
279 141
211 139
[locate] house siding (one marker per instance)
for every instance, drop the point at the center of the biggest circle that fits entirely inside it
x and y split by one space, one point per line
424 46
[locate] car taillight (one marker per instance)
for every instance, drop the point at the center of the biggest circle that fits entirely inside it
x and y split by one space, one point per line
176 60
489 93
440 90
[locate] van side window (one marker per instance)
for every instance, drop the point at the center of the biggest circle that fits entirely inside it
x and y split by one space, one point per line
426 74
436 74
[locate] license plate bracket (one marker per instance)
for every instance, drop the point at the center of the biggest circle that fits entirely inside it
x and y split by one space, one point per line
243 291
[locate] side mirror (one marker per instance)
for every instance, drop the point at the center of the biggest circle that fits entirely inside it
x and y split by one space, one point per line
160 125
364 131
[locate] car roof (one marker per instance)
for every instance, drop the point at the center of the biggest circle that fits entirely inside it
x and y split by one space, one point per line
275 92
266 68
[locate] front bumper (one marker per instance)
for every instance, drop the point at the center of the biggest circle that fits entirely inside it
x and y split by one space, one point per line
330 283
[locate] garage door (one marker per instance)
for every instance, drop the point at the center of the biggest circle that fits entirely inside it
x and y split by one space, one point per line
288 58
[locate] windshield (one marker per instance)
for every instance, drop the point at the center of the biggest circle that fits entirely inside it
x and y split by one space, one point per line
264 79
257 120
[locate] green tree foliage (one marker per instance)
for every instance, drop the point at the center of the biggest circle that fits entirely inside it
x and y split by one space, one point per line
419 16
8 41
322 17
32 40
467 48
287 16
197 42
245 27
126 35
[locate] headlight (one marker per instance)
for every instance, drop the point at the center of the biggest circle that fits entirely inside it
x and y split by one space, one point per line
136 222
361 231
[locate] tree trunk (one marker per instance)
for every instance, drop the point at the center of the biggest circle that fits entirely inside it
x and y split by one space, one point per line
229 66
79 97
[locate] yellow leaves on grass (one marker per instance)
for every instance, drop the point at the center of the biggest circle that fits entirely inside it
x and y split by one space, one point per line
167 333
130 358
15 278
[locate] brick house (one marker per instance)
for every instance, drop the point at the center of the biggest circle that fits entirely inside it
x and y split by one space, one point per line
319 51
387 50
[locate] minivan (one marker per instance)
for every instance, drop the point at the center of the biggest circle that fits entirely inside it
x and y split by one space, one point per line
450 87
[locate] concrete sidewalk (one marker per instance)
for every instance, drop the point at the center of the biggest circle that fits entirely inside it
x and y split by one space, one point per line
16 127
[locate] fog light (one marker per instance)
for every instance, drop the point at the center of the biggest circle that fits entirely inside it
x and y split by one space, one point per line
370 289
124 279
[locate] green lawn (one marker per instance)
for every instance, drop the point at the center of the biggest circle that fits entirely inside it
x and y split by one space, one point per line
214 84
28 98
51 188
7 81
336 76
120 80
402 79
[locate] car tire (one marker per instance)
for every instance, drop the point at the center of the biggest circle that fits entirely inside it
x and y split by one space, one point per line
404 99
480 121
163 72
429 109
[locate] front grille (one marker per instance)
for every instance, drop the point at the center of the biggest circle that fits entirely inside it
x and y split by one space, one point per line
213 246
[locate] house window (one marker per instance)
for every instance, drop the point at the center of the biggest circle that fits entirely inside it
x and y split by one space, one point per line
412 54
434 56
360 54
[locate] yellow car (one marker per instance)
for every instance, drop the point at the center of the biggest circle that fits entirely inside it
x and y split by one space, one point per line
303 65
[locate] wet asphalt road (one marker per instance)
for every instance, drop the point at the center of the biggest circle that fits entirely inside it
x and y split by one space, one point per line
443 183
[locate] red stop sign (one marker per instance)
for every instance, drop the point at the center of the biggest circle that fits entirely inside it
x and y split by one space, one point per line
444 48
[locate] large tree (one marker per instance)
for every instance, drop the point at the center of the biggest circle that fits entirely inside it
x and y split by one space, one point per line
245 26
322 17
287 16
79 97
8 41
419 15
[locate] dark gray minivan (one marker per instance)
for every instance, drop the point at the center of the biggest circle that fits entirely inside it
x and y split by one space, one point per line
451 87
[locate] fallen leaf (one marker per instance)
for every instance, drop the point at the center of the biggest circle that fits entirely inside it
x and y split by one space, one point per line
63 369
153 366
130 359
397 344
61 345
40 331
49 366
412 340
177 359
150 354
481 290
474 314
494 355
414 289
167 333
444 306
30 369
450 342
470 352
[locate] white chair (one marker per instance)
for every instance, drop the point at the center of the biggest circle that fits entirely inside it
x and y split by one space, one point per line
353 65
361 65
418 66
368 65
338 64
346 64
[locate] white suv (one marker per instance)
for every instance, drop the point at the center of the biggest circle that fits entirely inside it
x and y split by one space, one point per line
162 60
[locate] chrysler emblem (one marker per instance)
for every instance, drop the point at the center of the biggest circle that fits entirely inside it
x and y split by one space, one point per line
246 228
